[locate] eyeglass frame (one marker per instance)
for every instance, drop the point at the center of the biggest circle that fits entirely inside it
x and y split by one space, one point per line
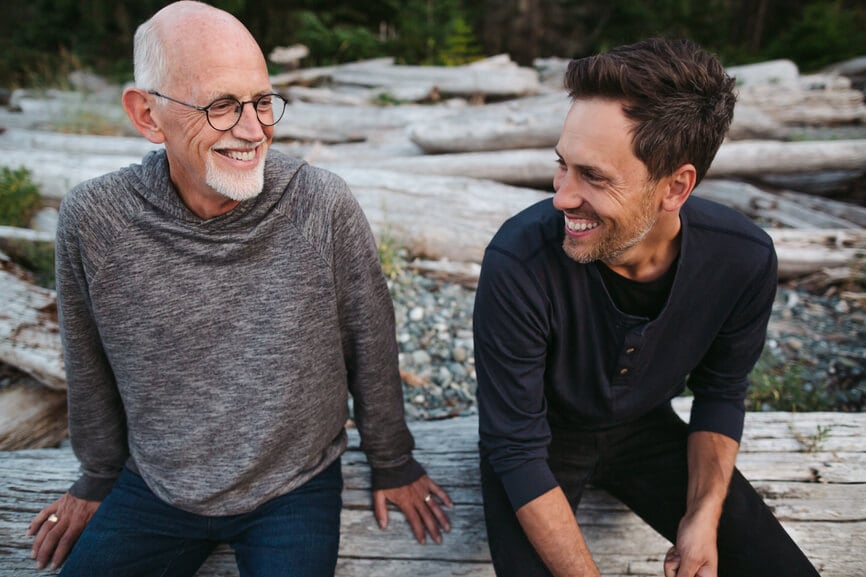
242 103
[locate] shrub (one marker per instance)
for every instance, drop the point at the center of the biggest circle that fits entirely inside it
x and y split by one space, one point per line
19 197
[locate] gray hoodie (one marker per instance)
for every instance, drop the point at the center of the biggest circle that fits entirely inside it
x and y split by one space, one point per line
215 357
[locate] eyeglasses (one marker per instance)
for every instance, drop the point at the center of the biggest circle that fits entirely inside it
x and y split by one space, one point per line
224 113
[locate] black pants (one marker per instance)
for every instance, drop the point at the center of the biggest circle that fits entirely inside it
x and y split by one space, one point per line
643 464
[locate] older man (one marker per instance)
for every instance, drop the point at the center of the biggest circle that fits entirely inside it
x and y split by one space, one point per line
218 304
597 307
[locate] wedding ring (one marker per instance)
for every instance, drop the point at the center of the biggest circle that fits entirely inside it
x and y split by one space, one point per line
53 518
428 497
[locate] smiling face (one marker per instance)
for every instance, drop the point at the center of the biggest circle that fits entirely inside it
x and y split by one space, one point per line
212 56
610 205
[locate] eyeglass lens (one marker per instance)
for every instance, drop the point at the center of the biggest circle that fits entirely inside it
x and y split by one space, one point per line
224 113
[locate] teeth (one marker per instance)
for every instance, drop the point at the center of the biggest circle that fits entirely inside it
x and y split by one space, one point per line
246 156
579 226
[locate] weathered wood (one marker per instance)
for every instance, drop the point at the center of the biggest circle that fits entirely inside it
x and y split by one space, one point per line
536 122
772 208
436 216
29 333
844 210
31 416
496 76
777 88
756 157
13 233
534 167
532 122
809 467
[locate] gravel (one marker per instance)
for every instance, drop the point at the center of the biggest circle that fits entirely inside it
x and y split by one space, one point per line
820 339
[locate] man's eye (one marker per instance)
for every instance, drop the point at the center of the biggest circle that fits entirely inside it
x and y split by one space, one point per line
592 176
221 107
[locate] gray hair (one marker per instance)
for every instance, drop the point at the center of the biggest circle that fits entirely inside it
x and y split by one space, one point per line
149 57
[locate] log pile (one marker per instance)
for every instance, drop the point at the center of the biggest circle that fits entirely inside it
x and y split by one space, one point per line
456 152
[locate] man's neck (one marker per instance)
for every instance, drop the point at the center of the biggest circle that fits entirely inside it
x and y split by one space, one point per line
654 255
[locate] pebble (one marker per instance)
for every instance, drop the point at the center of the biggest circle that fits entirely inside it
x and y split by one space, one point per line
823 337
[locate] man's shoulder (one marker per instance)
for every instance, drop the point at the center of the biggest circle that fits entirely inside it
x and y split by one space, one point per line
103 197
529 232
303 183
715 219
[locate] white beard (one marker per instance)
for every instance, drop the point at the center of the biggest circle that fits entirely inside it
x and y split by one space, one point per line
238 186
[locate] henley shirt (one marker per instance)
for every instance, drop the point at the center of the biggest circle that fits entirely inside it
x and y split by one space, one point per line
553 352
215 357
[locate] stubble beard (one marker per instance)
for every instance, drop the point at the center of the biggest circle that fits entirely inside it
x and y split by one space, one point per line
612 246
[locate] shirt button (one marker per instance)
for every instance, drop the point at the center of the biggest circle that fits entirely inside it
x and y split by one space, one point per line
629 350
623 371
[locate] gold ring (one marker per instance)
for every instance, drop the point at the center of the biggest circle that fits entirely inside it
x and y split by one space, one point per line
428 497
53 518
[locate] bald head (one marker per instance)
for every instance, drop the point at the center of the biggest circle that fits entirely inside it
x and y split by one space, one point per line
183 42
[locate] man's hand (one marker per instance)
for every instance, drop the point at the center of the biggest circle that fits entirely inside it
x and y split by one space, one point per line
711 459
57 528
420 503
696 553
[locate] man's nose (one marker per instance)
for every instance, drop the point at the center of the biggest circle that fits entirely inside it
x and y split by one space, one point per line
248 126
567 195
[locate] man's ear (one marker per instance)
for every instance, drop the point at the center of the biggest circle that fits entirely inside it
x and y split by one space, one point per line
138 107
681 184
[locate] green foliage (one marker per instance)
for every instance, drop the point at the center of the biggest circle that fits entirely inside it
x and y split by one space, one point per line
461 46
36 257
335 42
825 32
19 197
813 443
779 387
392 256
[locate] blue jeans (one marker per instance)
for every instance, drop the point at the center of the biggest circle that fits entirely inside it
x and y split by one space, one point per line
643 464
135 534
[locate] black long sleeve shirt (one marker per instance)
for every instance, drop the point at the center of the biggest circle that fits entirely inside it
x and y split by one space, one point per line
553 351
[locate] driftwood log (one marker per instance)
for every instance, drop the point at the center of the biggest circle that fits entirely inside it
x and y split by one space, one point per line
536 122
534 167
810 468
497 76
31 415
777 88
29 334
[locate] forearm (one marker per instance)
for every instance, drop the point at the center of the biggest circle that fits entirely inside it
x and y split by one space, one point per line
711 458
549 523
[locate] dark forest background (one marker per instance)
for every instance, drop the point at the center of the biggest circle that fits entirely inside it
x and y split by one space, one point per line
42 40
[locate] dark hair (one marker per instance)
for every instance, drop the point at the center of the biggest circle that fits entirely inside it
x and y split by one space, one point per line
679 97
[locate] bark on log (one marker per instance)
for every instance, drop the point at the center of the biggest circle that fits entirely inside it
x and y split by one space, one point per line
29 334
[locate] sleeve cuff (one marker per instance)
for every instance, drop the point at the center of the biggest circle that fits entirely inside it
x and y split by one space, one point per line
527 482
92 488
397 476
715 416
